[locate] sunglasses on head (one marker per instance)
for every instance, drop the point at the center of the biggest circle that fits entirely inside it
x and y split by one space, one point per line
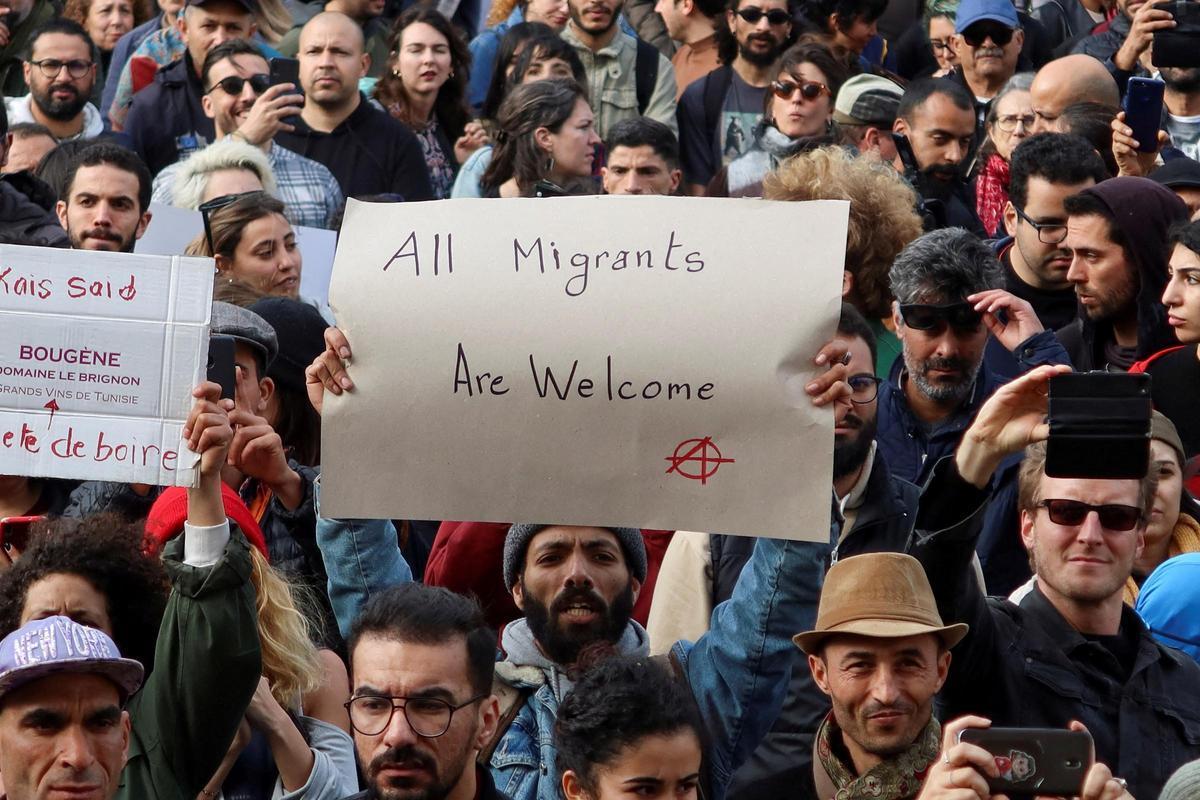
977 34
923 317
235 83
1072 513
776 16
809 90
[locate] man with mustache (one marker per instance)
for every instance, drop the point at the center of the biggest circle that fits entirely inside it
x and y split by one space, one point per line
936 118
626 77
1181 96
749 44
948 303
105 203
421 705
987 41
60 74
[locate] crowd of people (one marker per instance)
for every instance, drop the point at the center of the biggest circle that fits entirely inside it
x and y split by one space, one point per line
229 642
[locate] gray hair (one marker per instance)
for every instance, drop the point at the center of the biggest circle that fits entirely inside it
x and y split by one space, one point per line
1017 83
225 154
944 266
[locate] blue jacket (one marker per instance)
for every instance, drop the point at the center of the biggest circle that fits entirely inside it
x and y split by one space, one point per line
484 49
738 671
1168 600
911 450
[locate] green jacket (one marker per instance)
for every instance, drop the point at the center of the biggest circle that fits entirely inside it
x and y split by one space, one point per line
207 664
13 55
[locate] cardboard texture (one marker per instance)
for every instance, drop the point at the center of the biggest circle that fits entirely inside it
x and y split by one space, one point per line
588 360
97 363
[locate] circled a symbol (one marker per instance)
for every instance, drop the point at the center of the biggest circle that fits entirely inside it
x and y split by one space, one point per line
697 459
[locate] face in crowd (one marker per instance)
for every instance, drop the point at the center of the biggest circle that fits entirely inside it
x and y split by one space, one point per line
554 13
107 21
332 60
639 170
1105 279
26 152
854 433
60 93
423 62
1182 295
941 42
102 211
266 257
943 355
1164 513
572 148
1039 230
1014 120
940 134
575 589
989 50
801 102
761 28
595 17
234 85
217 21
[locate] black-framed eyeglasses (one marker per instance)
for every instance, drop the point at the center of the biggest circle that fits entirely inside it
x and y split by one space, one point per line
809 90
977 34
1009 122
1072 513
939 45
429 717
962 317
775 17
51 67
1048 232
233 84
864 388
209 206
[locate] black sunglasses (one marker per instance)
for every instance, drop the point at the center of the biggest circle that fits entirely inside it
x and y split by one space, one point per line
809 90
235 83
1072 513
776 16
962 317
977 34
209 206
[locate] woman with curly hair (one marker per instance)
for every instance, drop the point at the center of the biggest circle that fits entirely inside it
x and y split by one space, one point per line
424 87
882 221
628 728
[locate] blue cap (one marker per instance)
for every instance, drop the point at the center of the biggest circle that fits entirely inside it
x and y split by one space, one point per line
972 11
58 645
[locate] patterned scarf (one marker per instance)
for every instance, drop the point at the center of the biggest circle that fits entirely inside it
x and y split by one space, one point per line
896 778
991 193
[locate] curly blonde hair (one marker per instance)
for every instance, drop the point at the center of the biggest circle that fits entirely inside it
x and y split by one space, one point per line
883 218
289 657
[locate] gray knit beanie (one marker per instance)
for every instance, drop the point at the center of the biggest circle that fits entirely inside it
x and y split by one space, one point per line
517 542
1184 784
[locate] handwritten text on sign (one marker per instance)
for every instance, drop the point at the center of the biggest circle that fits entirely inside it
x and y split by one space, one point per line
97 363
601 360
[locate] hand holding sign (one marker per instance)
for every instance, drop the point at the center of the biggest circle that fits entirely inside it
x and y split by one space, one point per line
209 434
328 371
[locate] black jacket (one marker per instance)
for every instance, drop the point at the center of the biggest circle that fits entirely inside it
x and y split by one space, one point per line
782 764
166 121
1026 666
1065 21
24 217
370 153
485 788
1105 44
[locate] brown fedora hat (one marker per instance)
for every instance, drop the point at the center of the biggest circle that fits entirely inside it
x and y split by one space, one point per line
884 595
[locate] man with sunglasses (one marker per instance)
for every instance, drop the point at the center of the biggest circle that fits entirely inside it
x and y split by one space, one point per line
1070 649
987 40
60 73
731 98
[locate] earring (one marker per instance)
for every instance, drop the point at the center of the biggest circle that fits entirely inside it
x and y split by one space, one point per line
395 72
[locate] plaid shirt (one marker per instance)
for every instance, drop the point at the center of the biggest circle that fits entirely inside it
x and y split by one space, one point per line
309 191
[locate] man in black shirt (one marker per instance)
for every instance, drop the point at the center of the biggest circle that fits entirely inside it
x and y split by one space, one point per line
368 151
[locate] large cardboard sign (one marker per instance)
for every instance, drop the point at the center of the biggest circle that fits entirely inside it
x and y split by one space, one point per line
98 358
587 360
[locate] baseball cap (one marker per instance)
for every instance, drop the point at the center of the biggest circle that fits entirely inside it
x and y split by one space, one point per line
243 325
59 645
867 100
972 11
250 5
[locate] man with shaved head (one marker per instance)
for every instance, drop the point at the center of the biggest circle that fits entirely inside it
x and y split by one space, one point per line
1066 81
368 151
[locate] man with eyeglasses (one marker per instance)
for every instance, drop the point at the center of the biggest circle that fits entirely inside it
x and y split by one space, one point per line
243 105
60 74
1117 232
1070 649
987 40
948 304
733 96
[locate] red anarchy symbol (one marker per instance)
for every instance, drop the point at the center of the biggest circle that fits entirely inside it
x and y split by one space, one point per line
702 452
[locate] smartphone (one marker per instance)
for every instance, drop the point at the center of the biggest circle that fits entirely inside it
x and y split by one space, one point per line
1179 46
14 532
1143 107
1099 426
285 70
221 369
1042 761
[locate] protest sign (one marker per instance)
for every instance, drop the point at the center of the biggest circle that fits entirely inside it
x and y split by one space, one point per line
98 361
588 360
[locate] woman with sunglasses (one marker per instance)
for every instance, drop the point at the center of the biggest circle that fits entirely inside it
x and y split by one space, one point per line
424 87
1008 122
798 117
546 144
252 242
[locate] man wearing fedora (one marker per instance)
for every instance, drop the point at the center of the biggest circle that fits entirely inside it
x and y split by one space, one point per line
1070 650
881 652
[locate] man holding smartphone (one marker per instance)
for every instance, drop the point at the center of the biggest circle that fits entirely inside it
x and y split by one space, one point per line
1070 650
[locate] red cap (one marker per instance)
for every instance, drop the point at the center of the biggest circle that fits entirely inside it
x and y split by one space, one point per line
169 511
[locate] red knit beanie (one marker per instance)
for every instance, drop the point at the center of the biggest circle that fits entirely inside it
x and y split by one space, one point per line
169 511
